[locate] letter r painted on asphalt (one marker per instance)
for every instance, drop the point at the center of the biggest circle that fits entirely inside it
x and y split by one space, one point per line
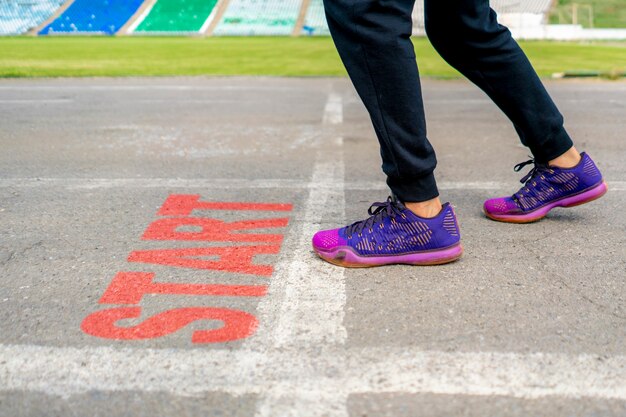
236 259
130 287
213 230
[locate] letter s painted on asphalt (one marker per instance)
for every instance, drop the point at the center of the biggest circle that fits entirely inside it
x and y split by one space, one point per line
237 324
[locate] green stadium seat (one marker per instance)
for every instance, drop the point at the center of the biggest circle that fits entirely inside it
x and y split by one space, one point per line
176 16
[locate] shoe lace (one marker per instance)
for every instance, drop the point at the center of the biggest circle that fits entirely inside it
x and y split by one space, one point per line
531 187
377 211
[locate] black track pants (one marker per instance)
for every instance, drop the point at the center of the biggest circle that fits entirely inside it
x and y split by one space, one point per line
373 40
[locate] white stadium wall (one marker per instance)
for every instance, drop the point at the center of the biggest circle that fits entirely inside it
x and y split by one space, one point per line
527 19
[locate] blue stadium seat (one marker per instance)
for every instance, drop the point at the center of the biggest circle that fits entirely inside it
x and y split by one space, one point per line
93 16
20 16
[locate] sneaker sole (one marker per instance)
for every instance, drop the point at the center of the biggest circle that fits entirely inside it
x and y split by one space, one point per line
346 257
575 200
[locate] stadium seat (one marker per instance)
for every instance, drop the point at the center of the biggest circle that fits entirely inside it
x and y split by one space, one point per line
315 20
93 16
178 16
526 6
259 17
20 16
502 7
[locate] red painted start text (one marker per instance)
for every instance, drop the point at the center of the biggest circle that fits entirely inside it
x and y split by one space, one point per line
128 288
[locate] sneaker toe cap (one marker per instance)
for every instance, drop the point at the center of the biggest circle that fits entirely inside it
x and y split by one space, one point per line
328 239
503 205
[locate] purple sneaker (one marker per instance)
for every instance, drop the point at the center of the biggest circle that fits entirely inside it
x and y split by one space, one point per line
546 187
392 234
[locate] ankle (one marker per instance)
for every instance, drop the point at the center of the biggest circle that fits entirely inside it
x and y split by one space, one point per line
426 209
569 159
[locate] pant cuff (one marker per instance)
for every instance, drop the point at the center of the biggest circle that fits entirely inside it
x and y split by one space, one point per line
414 190
553 147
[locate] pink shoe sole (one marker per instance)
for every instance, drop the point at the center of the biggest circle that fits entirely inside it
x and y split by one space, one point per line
538 214
345 256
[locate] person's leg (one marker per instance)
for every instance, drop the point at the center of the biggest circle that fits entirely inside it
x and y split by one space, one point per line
373 40
467 35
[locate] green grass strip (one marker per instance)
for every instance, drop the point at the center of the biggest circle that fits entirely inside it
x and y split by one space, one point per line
184 56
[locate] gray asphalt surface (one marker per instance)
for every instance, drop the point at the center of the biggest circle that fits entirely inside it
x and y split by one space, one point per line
531 321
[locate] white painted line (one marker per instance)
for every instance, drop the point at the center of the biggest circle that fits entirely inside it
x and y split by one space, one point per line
36 101
248 101
151 87
200 101
429 100
326 375
318 402
225 183
333 111
95 183
312 309
306 299
532 375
